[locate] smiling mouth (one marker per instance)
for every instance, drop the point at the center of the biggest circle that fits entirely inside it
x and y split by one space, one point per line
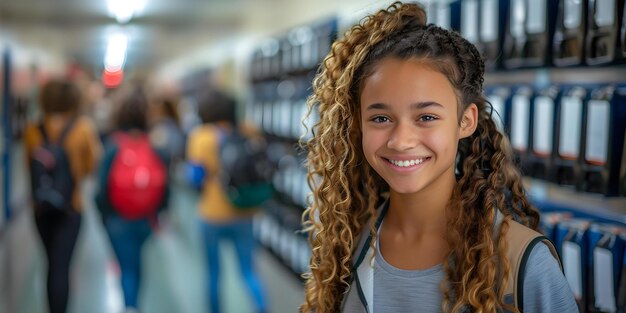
407 163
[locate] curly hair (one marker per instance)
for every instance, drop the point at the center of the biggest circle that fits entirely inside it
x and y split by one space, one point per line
346 190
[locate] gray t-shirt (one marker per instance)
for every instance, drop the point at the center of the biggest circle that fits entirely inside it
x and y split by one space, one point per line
397 290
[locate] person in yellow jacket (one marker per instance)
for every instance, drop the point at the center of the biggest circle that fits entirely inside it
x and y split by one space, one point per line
78 138
220 220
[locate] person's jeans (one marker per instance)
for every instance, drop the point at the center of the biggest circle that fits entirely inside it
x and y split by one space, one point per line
58 234
127 239
239 232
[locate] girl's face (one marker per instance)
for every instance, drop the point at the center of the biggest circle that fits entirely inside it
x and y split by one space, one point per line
410 125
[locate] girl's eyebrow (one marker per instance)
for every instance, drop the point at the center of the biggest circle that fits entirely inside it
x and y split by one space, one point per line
414 106
425 104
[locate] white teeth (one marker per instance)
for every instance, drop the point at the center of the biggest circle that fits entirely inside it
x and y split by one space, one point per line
407 162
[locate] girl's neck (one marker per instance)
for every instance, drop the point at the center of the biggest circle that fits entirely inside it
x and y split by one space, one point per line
421 213
413 234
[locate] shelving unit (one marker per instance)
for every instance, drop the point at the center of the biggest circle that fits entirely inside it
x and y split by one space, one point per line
613 74
282 70
549 196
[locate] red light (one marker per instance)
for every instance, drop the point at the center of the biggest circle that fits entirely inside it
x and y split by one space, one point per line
112 79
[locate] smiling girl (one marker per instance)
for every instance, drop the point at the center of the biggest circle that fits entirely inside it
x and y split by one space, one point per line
417 203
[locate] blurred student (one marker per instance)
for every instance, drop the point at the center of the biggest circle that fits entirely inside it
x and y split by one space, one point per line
132 181
102 113
62 150
221 220
165 131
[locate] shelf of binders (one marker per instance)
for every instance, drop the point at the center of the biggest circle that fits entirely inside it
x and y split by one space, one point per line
295 53
570 140
569 137
279 231
518 34
592 255
282 71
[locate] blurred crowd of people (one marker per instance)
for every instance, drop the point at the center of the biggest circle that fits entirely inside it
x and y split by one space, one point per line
133 141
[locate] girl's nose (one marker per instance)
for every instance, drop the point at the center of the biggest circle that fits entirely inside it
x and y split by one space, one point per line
403 137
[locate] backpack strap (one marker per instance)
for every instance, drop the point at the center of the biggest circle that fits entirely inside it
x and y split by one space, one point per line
43 132
521 241
362 267
64 132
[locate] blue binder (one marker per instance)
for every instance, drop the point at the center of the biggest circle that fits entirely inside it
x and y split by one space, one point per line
572 242
493 17
521 124
542 141
569 34
603 32
568 136
604 124
606 255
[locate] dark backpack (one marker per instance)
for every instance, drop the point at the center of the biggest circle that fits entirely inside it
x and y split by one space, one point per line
52 181
247 170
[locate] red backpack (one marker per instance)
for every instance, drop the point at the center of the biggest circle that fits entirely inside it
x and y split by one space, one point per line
137 179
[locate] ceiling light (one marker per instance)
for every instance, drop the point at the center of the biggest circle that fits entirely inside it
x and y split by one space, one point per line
116 52
124 10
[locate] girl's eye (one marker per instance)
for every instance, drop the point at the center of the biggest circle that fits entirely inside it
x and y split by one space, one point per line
380 119
427 118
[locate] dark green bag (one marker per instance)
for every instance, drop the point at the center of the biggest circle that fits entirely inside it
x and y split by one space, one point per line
246 170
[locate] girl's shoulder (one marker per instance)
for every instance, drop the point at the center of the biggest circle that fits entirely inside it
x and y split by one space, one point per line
545 288
81 130
522 242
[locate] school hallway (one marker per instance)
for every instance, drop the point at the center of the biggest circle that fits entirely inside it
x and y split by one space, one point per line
174 273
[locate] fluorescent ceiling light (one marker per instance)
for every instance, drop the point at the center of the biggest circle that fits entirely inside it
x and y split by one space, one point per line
116 52
124 10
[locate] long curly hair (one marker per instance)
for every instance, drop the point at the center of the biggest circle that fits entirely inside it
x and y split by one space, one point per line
346 190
